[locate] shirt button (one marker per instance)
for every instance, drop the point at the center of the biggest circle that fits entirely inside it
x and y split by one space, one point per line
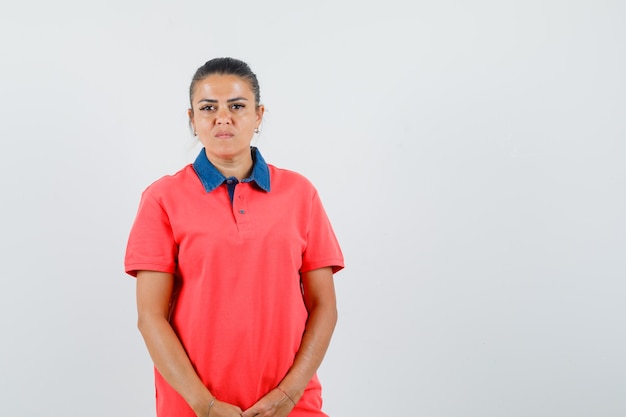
229 181
242 211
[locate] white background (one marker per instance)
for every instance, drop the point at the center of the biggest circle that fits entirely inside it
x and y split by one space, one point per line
469 154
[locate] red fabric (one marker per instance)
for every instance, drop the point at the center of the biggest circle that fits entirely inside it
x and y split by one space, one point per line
239 310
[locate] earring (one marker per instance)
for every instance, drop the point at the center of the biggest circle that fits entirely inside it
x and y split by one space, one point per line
256 130
195 133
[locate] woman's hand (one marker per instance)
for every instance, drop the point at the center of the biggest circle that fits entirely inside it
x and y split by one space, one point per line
222 409
274 404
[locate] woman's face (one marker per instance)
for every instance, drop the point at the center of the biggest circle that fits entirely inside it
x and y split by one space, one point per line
224 115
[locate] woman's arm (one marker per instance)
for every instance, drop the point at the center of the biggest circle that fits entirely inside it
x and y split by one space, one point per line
154 291
321 304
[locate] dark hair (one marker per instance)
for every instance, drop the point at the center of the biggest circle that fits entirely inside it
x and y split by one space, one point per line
227 66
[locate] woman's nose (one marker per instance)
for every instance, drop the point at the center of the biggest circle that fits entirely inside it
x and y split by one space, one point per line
223 116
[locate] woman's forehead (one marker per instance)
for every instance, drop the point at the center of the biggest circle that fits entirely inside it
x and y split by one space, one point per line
223 86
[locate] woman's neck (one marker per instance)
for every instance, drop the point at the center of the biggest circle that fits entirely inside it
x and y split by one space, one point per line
239 168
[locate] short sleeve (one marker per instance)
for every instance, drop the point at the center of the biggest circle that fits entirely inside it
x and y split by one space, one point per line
322 248
151 245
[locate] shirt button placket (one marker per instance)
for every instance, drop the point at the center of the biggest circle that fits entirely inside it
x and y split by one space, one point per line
241 211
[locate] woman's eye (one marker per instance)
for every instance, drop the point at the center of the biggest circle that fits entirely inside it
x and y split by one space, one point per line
207 108
237 106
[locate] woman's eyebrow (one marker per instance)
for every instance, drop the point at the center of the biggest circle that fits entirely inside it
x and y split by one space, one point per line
230 100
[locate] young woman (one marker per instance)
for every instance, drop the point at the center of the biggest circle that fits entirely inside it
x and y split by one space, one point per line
234 260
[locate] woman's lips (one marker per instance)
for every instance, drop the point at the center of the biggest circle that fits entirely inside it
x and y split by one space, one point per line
224 135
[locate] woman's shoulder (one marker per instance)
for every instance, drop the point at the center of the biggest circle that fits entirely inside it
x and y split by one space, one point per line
171 182
287 177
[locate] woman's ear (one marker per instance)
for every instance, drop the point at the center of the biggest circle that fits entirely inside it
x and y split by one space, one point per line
190 114
260 111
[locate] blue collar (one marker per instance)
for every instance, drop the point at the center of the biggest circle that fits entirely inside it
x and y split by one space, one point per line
211 178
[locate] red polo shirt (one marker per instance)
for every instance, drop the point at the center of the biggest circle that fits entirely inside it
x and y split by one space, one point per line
238 308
